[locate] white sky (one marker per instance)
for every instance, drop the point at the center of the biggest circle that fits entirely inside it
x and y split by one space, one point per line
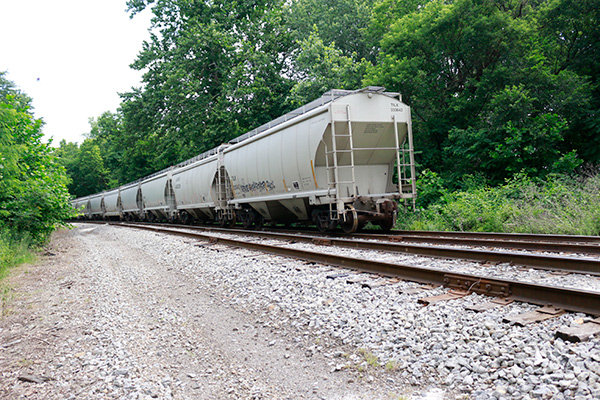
71 57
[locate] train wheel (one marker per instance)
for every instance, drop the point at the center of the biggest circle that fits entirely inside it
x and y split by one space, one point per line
388 223
247 220
232 221
225 222
259 221
186 218
350 225
322 226
222 220
321 220
251 219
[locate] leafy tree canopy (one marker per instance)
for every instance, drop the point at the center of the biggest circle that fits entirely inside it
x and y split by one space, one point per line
496 86
33 195
343 22
214 70
483 81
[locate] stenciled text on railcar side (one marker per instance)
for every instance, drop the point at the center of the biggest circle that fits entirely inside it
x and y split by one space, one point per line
397 107
255 186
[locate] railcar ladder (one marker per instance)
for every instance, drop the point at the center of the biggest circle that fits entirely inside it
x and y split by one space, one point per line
335 186
405 163
223 188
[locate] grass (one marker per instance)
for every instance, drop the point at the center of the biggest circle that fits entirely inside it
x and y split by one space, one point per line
24 362
391 365
6 296
556 205
14 250
369 357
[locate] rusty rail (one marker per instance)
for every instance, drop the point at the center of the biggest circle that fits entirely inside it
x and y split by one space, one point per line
570 299
580 265
522 237
509 244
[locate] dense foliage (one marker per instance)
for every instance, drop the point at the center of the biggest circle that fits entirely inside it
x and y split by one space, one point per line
33 195
497 87
556 204
494 85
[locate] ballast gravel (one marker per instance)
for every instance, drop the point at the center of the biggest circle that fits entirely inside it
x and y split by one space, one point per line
119 313
490 270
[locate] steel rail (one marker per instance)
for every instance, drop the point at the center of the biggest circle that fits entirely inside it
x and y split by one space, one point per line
585 244
579 265
548 243
510 244
570 299
532 237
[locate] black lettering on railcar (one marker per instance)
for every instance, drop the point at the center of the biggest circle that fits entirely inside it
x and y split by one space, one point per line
374 128
261 186
397 107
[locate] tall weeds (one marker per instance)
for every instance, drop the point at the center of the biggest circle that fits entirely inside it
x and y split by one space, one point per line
14 250
558 204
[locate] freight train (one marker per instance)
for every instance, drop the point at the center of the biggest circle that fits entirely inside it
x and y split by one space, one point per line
343 160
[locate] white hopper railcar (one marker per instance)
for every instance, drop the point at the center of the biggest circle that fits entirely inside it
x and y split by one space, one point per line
331 162
132 203
343 159
112 204
87 209
157 196
96 206
192 183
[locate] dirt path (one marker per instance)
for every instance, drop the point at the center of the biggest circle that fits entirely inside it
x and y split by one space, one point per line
100 316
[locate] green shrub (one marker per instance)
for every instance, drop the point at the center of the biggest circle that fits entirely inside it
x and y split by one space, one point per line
557 204
34 199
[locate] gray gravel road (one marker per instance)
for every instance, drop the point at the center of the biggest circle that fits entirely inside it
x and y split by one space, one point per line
113 313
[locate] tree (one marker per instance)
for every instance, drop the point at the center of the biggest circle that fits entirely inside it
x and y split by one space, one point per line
343 22
107 133
384 14
321 67
90 174
33 195
571 38
215 70
66 154
458 64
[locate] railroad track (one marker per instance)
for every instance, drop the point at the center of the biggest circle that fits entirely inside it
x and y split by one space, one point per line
513 241
513 237
546 243
561 298
516 241
393 243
